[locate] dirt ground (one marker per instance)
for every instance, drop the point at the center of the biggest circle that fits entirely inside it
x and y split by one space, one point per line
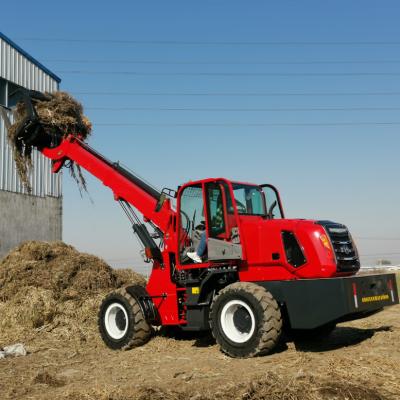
359 361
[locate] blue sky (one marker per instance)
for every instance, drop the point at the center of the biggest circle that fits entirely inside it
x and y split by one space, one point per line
329 148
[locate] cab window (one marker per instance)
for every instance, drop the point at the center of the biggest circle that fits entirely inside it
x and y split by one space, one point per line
216 219
249 199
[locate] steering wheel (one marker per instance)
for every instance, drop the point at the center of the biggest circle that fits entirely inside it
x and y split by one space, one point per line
187 220
270 215
201 226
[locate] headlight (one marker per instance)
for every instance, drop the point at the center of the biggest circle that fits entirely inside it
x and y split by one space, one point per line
326 242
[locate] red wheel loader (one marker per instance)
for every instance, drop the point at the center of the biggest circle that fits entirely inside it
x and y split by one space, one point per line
259 274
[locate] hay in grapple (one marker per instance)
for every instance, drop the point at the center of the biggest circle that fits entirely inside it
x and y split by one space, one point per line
61 115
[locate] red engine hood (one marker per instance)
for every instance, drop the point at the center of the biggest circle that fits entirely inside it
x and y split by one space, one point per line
263 247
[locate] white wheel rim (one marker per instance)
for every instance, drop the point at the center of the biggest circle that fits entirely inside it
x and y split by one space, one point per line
115 327
228 325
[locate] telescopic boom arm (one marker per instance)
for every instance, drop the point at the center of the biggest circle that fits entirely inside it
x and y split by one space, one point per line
124 184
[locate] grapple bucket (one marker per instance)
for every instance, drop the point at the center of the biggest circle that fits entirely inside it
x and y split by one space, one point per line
30 131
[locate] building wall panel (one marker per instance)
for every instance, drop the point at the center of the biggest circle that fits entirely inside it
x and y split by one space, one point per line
16 68
28 218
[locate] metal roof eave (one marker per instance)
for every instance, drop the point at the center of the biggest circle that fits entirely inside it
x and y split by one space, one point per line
30 58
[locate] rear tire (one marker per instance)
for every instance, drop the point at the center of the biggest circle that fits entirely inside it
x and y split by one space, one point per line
245 320
121 321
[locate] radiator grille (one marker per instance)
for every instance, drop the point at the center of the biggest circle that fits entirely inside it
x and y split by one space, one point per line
347 259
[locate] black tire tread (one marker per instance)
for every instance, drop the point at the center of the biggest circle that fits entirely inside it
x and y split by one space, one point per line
271 327
142 329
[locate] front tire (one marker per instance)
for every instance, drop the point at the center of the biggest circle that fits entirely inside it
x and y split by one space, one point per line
245 320
121 322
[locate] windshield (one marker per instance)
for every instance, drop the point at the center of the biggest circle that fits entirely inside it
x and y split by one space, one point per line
249 199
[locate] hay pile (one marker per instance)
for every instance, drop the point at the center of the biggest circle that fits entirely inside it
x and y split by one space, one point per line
61 115
52 287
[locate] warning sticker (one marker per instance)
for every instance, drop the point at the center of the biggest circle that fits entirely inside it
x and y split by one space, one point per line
371 299
195 290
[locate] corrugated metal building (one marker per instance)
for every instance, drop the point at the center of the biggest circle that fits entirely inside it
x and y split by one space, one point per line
35 215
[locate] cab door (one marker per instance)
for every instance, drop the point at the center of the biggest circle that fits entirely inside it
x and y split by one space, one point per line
191 220
222 228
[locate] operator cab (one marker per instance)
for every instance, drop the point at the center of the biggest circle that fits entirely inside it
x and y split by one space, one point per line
209 217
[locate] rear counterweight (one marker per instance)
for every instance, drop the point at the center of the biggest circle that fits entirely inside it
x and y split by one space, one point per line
311 303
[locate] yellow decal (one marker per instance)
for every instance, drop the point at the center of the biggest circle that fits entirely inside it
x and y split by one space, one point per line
370 299
195 290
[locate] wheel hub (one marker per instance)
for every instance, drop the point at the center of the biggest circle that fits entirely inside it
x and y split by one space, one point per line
120 320
116 321
237 321
242 320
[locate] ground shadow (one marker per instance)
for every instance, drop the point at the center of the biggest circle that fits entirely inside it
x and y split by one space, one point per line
339 338
204 339
201 339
